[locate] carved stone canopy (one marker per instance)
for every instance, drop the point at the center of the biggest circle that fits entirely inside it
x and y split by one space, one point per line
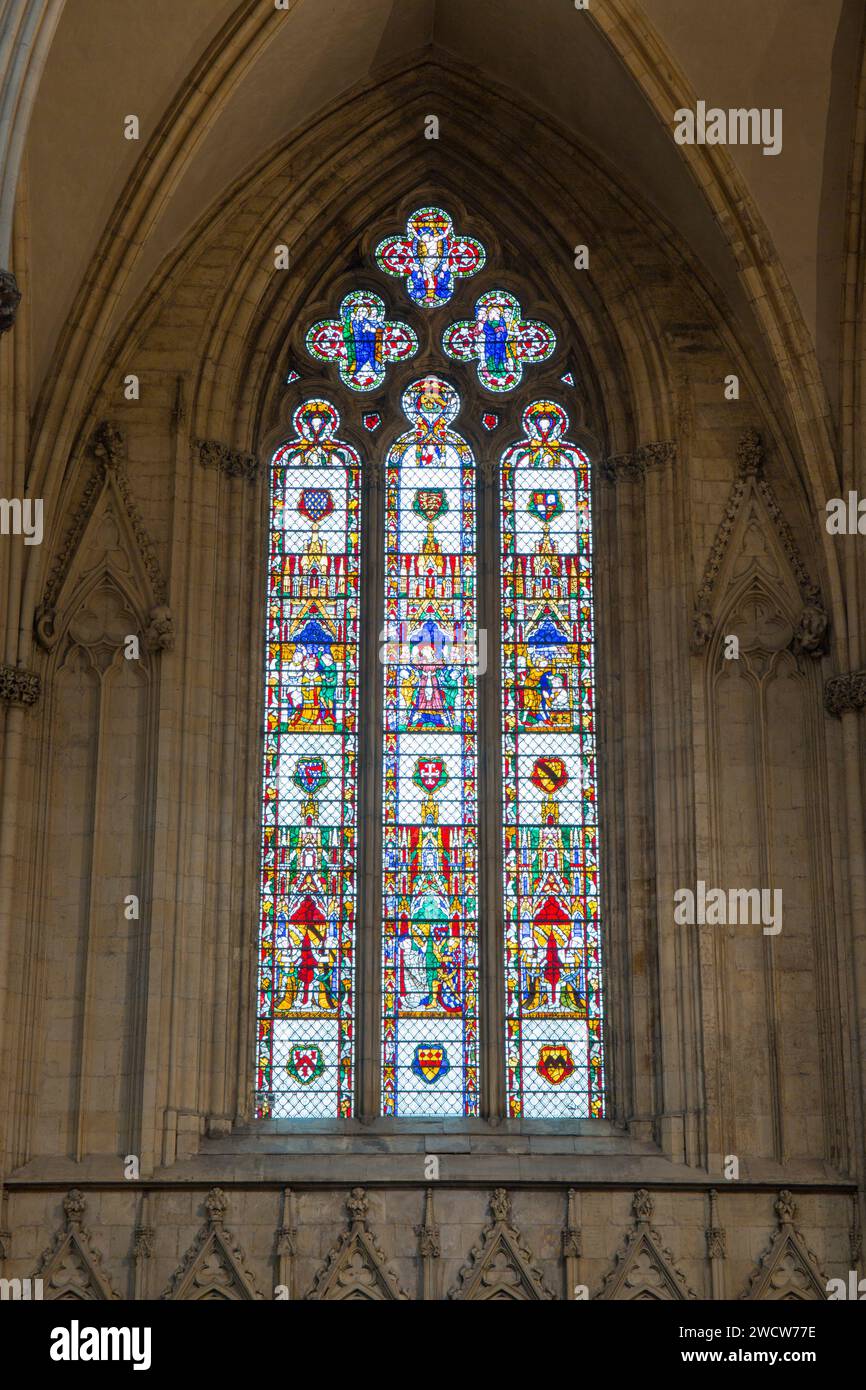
123 551
752 508
356 1268
644 1269
214 1267
501 1266
71 1266
788 1270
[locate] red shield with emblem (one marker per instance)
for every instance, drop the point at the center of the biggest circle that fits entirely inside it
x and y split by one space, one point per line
548 775
555 1063
430 774
305 1064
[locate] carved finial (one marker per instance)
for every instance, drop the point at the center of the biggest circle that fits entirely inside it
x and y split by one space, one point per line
10 298
716 1248
500 1205
286 1232
216 1205
571 1233
159 634
643 1205
750 454
428 1233
74 1205
786 1208
702 631
813 630
357 1206
108 445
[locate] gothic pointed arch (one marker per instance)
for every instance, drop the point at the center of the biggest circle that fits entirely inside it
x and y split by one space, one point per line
644 1269
501 1267
214 1267
787 1271
355 1268
71 1267
106 541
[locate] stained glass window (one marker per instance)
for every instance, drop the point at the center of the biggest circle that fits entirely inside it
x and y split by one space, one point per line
305 994
362 340
499 340
552 946
430 1025
432 655
429 257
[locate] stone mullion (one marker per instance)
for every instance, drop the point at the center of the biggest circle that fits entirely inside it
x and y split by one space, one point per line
491 906
368 951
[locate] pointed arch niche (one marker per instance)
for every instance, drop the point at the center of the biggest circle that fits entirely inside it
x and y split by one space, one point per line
646 341
489 422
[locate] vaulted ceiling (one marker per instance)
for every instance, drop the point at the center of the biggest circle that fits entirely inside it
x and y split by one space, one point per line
112 58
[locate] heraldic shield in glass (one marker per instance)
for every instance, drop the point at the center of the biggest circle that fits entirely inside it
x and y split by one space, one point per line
305 985
430 256
552 947
430 1025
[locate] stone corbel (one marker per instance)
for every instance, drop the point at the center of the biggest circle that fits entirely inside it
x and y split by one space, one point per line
633 467
18 686
213 453
842 694
10 298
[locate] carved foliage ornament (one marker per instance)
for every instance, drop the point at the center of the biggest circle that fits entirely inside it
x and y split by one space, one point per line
213 453
18 686
845 693
633 468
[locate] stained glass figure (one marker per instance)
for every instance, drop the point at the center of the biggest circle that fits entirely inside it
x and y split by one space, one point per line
567 378
306 957
372 422
430 831
292 376
552 943
490 421
500 340
429 257
362 340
